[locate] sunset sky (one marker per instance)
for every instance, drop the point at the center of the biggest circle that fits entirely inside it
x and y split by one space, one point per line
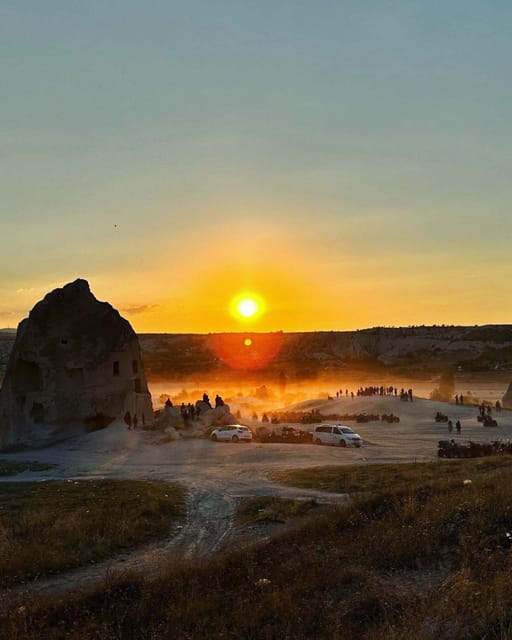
349 162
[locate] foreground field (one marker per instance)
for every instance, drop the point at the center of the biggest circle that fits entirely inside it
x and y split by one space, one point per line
416 547
53 526
428 558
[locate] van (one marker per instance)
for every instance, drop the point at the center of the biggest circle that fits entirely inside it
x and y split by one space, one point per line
337 435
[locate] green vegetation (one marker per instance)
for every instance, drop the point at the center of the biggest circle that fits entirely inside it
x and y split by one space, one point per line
428 558
10 468
47 527
272 509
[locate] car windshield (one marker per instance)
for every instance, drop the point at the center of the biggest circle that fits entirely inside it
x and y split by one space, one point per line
346 430
243 428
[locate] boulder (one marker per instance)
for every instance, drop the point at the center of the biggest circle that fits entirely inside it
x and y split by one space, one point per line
170 417
202 407
216 417
75 362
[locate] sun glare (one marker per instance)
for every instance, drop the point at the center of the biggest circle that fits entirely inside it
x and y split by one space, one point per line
247 306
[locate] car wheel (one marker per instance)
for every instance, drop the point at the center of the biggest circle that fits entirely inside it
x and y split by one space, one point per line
234 439
342 443
318 441
214 437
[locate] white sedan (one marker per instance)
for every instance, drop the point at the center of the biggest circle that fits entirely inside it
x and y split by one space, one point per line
232 433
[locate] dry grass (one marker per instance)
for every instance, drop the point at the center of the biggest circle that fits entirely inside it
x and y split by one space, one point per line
272 509
11 468
46 527
426 559
376 477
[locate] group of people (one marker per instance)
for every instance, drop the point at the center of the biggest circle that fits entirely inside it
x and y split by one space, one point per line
486 409
458 427
378 391
193 411
133 421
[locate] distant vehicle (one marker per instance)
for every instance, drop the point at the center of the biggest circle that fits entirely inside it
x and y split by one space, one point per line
336 435
231 433
288 435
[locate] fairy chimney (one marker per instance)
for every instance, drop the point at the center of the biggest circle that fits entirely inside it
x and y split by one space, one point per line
506 402
75 362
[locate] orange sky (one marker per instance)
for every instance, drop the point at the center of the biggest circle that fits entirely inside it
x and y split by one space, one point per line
350 165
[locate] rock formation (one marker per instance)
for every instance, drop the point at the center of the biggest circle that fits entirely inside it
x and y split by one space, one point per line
75 361
506 403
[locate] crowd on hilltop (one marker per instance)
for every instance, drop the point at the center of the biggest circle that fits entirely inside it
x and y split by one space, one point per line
406 395
192 411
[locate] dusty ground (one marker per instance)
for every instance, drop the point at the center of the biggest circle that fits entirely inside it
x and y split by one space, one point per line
217 475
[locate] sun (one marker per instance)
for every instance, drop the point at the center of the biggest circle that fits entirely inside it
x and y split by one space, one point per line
247 306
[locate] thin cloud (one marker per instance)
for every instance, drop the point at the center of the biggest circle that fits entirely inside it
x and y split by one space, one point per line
143 308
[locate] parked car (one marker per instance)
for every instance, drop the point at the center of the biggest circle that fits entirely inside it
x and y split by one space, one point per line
284 434
232 433
337 435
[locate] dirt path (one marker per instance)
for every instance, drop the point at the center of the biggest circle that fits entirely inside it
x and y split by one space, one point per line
209 523
217 475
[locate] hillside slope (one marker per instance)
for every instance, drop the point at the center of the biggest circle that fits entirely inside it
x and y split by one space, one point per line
412 351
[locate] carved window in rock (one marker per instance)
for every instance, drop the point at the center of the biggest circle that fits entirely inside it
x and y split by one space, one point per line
37 413
116 368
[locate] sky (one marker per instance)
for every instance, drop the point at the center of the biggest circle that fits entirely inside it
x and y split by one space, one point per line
347 162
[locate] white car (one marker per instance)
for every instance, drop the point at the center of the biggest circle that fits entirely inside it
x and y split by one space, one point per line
337 435
232 433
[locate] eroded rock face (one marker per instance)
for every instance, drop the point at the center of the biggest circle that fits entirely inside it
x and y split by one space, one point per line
75 361
506 403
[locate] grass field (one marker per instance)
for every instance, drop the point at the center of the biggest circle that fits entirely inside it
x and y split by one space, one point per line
10 468
272 509
47 527
427 557
378 477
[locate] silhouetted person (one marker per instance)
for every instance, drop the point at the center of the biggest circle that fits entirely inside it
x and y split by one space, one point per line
461 399
206 399
128 419
168 402
458 427
456 399
450 426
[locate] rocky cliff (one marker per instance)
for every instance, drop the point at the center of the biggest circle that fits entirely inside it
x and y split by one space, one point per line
75 361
